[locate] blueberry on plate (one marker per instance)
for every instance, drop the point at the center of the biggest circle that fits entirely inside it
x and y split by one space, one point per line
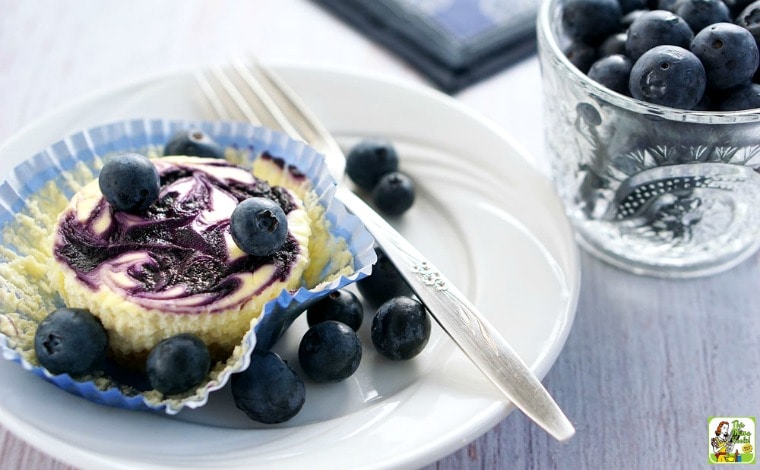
701 13
329 352
394 193
591 21
178 364
668 76
369 160
728 53
259 226
268 391
340 305
657 28
193 143
129 182
71 341
401 328
384 282
612 72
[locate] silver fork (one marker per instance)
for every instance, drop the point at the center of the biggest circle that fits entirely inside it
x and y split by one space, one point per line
247 89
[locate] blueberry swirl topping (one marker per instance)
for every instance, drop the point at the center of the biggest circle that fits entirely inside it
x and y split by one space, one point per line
179 249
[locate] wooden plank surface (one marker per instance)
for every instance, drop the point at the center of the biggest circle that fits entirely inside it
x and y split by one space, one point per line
647 361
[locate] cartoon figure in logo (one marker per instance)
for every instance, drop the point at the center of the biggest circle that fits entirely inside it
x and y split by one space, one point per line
722 444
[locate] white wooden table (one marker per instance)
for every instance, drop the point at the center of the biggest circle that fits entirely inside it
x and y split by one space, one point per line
647 361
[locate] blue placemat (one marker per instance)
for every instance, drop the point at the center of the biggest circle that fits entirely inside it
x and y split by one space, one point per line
455 43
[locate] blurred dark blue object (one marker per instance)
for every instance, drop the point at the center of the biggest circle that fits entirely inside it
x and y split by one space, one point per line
455 43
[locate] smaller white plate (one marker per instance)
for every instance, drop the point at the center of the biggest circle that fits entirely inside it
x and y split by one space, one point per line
484 216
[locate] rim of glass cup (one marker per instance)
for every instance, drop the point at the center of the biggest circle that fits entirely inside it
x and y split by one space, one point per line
546 33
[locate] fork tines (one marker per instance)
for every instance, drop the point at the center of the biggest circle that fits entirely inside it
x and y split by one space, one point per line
239 94
244 90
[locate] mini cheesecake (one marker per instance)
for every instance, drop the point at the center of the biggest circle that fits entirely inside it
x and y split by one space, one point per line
174 267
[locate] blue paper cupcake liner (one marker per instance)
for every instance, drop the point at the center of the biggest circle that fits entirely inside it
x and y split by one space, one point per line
58 168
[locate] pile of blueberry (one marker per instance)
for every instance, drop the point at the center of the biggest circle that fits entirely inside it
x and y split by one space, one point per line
270 391
686 54
373 165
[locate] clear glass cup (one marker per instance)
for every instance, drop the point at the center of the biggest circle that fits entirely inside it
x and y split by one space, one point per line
650 189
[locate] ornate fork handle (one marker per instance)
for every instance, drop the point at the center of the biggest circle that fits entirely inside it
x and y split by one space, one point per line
470 330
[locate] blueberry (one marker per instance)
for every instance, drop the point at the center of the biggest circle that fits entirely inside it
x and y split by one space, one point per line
628 6
749 19
384 282
340 305
668 76
369 160
614 44
612 72
401 328
701 13
591 21
193 143
737 6
707 103
728 53
129 182
259 226
740 98
268 391
178 364
657 28
580 54
394 193
329 352
627 20
667 5
71 341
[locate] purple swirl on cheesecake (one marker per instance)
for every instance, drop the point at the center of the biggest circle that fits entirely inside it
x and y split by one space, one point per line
178 253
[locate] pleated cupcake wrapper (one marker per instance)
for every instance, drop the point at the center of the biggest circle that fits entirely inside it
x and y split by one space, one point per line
56 164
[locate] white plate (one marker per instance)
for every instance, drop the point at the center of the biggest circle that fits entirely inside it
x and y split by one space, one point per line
484 216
